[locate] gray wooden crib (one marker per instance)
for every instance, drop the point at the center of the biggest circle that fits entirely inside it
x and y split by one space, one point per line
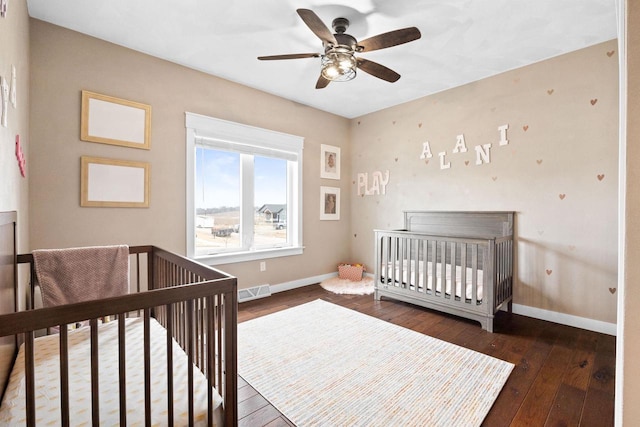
459 263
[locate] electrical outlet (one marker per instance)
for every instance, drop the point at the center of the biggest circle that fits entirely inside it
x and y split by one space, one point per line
263 266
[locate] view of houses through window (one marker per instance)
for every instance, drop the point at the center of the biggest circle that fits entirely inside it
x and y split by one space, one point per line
220 190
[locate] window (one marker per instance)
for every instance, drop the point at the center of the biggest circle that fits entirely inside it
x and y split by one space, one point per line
244 197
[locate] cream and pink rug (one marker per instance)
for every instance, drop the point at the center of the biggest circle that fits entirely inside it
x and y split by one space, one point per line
345 286
321 364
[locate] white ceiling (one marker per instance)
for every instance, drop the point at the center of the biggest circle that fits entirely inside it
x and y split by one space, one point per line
462 40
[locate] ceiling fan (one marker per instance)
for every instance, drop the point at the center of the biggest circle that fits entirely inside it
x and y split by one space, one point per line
339 62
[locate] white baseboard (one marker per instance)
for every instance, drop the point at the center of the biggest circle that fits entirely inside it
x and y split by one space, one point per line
536 313
566 319
287 286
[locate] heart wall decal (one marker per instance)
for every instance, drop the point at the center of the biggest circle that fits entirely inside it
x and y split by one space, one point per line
594 101
549 271
600 177
550 91
612 290
562 196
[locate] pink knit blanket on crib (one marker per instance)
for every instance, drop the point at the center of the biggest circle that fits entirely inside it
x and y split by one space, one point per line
74 275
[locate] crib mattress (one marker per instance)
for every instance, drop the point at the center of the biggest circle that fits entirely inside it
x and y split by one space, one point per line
12 410
401 272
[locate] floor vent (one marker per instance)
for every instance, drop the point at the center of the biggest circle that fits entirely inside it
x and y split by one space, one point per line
254 293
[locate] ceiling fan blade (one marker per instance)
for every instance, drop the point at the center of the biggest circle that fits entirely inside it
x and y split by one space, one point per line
317 26
322 82
392 38
377 70
289 56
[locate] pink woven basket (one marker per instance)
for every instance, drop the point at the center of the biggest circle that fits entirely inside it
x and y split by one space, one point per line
350 272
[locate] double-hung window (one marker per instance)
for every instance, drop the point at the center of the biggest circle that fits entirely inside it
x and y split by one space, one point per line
244 191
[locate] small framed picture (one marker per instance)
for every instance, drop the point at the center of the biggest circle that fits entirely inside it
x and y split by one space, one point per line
329 161
329 203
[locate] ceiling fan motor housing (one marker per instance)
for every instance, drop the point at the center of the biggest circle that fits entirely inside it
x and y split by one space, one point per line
345 41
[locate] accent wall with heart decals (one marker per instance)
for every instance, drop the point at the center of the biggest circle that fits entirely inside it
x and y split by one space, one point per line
541 141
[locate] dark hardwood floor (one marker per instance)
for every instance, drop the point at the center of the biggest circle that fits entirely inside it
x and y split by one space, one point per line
563 376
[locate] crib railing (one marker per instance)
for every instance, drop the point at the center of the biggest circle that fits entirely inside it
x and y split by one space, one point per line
400 253
195 303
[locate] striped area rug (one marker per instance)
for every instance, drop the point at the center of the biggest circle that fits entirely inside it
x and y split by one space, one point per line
325 365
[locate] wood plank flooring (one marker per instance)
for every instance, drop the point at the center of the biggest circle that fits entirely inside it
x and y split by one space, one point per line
563 376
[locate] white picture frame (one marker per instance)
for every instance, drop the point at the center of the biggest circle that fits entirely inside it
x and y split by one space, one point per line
329 203
329 162
114 183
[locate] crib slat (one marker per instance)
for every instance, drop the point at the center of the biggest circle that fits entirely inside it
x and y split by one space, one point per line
499 273
169 327
422 273
401 262
30 372
230 326
385 259
209 338
199 333
190 348
95 383
443 269
416 263
434 264
222 305
394 260
64 375
463 273
474 274
122 375
147 367
406 263
452 263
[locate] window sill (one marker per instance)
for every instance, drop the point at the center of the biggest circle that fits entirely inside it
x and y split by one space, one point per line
230 258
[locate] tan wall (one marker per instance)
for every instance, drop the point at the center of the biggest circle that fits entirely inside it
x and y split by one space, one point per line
65 62
14 50
558 172
627 358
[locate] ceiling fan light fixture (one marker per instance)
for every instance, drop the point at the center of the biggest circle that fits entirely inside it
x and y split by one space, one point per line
339 65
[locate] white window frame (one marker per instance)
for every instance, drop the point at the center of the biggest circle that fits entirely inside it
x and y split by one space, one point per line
253 140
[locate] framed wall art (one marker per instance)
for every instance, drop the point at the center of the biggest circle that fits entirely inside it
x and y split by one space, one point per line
329 161
329 203
114 183
115 121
